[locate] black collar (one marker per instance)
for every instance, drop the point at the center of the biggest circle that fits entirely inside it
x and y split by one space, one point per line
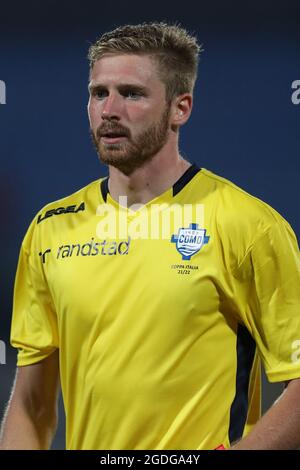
177 187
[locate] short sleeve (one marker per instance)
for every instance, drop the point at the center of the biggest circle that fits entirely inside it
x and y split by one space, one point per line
273 300
34 329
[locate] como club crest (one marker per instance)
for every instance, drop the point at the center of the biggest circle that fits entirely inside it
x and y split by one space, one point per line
190 240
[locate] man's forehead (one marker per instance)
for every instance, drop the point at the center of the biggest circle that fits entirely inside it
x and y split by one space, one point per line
135 68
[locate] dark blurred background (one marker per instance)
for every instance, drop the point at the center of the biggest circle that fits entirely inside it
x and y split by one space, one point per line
244 126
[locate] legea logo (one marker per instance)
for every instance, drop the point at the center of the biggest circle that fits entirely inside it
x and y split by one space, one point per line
2 92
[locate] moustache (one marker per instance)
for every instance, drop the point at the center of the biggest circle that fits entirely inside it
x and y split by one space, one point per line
112 130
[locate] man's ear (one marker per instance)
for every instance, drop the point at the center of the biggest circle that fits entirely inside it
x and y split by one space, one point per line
182 108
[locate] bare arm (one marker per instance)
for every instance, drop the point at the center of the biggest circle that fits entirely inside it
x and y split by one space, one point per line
279 428
31 417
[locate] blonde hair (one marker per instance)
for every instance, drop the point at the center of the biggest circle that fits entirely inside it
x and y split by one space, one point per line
176 52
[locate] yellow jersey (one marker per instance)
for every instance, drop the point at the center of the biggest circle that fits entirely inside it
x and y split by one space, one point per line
161 313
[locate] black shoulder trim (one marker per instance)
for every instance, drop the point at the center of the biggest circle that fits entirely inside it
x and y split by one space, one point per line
185 178
245 349
104 189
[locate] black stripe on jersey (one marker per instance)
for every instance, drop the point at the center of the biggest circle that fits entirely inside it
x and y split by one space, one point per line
185 178
245 349
104 189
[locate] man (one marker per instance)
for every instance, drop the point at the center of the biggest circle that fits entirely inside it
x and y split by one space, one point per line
156 327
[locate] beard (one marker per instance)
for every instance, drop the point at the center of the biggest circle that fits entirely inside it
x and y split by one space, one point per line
131 154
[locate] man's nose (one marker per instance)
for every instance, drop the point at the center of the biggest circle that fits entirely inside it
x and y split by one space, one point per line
111 108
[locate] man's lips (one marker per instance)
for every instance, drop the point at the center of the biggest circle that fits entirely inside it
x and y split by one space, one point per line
112 136
110 139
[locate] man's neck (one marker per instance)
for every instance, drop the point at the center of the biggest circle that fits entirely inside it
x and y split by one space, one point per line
147 182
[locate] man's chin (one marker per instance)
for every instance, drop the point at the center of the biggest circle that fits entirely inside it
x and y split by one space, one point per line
121 162
113 158
124 163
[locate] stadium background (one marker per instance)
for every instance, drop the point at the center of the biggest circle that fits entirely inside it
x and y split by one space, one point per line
244 126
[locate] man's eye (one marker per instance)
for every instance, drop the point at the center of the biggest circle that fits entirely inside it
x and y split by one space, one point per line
100 94
134 95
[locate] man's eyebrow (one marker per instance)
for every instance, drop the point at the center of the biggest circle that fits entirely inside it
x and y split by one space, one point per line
122 87
132 86
95 86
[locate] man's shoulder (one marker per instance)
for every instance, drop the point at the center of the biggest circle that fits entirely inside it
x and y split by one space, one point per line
237 204
69 203
56 215
241 221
